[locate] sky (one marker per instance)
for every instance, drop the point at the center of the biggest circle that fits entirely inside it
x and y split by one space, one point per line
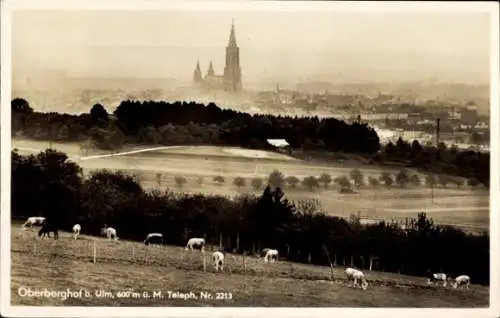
326 46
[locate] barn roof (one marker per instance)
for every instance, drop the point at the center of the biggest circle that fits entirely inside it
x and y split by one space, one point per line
278 142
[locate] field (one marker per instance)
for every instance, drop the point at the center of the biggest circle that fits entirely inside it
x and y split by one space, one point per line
463 207
120 266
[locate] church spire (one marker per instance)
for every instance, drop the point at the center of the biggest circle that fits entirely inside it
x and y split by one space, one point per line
211 71
197 72
232 36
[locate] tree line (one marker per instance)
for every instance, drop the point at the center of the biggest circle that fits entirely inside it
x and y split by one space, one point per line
48 184
178 123
355 180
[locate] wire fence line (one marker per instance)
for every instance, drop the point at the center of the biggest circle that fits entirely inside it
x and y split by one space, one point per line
96 250
102 251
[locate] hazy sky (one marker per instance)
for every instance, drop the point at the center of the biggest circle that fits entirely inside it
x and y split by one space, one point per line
374 46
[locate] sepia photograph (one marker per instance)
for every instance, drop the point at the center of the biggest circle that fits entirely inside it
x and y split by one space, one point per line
253 154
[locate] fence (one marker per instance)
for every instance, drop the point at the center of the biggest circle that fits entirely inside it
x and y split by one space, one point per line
99 251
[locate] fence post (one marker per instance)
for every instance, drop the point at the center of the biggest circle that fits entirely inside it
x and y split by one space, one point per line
146 255
54 254
220 240
95 252
244 264
329 260
133 252
204 262
238 241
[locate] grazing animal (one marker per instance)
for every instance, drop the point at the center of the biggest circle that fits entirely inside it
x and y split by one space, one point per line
154 238
76 230
355 275
436 277
462 280
109 232
34 220
218 259
46 229
270 255
196 243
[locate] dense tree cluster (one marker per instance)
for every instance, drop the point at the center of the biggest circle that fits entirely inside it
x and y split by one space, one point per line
162 123
49 185
442 160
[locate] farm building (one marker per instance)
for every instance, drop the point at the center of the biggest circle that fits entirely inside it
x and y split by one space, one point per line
279 144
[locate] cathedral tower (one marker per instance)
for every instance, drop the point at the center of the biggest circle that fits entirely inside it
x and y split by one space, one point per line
232 70
211 71
197 73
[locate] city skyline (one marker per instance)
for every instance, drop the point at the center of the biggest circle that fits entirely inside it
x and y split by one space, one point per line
451 46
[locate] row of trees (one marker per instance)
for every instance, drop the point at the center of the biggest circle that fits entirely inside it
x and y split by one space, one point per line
356 180
161 123
49 185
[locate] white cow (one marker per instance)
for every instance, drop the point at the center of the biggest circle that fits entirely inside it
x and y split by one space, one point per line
462 280
355 275
436 277
154 238
270 255
218 259
109 232
196 243
34 220
76 230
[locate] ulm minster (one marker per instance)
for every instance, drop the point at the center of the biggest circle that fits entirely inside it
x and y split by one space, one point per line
230 81
306 192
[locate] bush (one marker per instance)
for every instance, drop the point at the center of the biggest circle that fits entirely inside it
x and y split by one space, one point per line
357 177
256 183
386 178
180 181
292 181
402 178
310 182
343 182
326 179
373 182
239 182
276 179
415 180
219 179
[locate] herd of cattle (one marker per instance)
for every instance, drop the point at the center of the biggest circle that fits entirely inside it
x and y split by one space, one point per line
270 255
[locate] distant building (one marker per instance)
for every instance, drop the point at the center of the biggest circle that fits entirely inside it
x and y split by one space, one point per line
280 144
469 116
231 80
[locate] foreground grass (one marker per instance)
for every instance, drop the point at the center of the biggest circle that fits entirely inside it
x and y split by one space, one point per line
65 263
